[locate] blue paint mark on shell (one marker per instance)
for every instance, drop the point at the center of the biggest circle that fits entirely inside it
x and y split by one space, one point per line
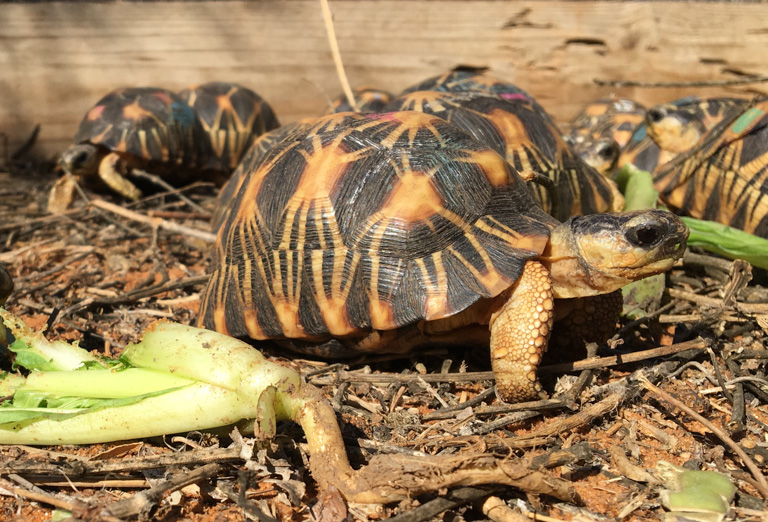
183 114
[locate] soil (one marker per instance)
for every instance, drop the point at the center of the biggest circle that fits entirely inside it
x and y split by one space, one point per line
101 278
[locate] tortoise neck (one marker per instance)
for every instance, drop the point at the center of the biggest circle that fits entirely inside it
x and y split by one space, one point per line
570 273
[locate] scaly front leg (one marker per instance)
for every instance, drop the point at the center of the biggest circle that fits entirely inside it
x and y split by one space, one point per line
520 331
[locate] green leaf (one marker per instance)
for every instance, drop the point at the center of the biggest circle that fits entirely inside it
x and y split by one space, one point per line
644 296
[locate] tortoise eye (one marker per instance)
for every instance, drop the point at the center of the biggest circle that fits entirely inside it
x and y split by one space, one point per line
80 159
609 150
655 115
644 235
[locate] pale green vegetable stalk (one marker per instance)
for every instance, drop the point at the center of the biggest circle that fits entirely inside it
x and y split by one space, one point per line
179 379
637 187
176 379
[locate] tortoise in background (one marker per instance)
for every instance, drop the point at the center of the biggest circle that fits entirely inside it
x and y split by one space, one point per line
6 283
156 130
368 99
466 78
530 142
383 232
673 128
721 173
602 129
6 288
232 116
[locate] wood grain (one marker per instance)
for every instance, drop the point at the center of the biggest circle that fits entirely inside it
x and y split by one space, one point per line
57 59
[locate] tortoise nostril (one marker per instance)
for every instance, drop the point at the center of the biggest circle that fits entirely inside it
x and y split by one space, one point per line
644 236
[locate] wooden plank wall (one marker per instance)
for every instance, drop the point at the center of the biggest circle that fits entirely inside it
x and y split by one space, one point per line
57 59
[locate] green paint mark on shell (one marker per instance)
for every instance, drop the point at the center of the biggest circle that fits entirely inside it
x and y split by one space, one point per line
745 119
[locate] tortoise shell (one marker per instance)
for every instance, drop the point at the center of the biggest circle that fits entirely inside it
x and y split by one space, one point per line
369 222
646 154
602 129
148 123
615 119
232 116
529 142
252 158
724 178
368 99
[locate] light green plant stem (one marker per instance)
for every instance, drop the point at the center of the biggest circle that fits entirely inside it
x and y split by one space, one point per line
196 407
103 384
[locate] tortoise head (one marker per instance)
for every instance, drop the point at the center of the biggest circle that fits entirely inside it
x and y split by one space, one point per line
673 128
80 159
600 253
600 153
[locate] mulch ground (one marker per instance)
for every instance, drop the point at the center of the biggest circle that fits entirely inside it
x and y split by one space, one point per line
102 277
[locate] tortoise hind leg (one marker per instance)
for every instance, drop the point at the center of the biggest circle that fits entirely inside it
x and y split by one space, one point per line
589 320
109 174
520 331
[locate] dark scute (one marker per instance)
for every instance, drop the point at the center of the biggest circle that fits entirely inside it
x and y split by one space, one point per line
739 218
463 287
761 229
276 189
233 316
329 256
390 273
310 317
755 143
648 158
479 127
293 238
316 231
284 262
357 300
409 302
363 189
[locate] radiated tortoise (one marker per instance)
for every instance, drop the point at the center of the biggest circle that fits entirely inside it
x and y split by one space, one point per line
383 232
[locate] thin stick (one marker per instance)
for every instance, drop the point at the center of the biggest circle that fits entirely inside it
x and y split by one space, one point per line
74 507
154 221
157 180
747 308
702 83
328 19
585 364
761 484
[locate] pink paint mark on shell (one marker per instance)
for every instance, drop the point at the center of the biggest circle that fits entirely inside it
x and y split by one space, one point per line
514 96
95 113
390 116
163 96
